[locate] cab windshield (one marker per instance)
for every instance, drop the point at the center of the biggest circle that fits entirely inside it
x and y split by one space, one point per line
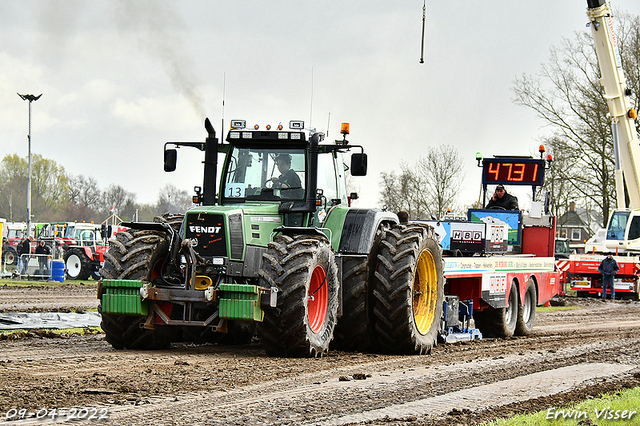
265 174
87 237
617 226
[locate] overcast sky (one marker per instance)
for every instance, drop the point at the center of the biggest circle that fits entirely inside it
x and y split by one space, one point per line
121 78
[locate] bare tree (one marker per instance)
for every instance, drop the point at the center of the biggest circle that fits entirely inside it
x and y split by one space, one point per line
114 197
567 94
427 188
399 192
441 176
389 193
173 200
84 191
558 177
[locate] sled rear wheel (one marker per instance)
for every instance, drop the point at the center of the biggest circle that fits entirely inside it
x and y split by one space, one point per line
500 322
527 311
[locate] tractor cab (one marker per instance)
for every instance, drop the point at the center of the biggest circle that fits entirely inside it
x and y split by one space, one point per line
271 177
257 173
291 168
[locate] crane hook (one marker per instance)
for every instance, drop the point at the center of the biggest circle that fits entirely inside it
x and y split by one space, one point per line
424 20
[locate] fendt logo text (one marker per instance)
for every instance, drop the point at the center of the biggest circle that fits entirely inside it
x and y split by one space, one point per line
205 229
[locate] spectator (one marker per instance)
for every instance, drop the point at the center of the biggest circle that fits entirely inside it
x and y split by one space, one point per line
43 253
608 268
23 248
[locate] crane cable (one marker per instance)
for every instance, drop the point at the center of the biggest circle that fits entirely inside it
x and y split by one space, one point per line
424 22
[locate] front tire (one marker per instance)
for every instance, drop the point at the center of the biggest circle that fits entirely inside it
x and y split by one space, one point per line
77 264
408 290
527 311
134 255
304 270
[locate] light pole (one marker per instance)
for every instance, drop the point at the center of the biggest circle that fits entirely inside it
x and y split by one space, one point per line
29 98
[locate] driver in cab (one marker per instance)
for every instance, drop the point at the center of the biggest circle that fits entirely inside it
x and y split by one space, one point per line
501 199
288 178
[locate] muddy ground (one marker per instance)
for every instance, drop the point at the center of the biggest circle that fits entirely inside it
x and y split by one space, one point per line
240 385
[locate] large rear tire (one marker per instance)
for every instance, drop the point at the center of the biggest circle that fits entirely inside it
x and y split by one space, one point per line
135 255
408 290
77 264
304 271
355 330
500 322
527 310
172 219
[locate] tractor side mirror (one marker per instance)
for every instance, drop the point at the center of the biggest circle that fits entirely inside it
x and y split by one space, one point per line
359 164
170 159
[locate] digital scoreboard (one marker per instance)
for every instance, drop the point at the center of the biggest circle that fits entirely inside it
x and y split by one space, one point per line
513 171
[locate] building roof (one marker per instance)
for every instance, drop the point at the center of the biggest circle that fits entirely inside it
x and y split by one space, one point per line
571 219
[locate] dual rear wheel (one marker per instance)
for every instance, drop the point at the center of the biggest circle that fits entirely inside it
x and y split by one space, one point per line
514 319
392 300
408 290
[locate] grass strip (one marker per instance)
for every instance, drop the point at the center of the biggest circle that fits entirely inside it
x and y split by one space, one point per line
63 333
616 408
15 282
556 308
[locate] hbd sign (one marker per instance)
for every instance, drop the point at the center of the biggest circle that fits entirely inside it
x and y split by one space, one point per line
467 236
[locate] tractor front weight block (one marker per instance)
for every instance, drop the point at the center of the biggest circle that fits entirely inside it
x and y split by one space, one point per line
241 302
122 297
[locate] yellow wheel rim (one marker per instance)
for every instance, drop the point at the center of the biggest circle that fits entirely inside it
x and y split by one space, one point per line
425 292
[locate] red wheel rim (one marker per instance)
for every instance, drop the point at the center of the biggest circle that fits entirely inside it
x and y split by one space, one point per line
318 300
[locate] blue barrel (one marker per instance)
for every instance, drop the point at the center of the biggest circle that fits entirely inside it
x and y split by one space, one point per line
57 270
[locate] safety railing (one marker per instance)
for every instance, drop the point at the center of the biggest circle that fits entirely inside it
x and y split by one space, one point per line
35 266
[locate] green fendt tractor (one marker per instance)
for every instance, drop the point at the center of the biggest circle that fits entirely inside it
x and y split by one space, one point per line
276 251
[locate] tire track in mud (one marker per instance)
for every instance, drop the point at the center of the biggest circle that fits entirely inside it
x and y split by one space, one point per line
296 400
391 388
240 385
62 298
497 394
